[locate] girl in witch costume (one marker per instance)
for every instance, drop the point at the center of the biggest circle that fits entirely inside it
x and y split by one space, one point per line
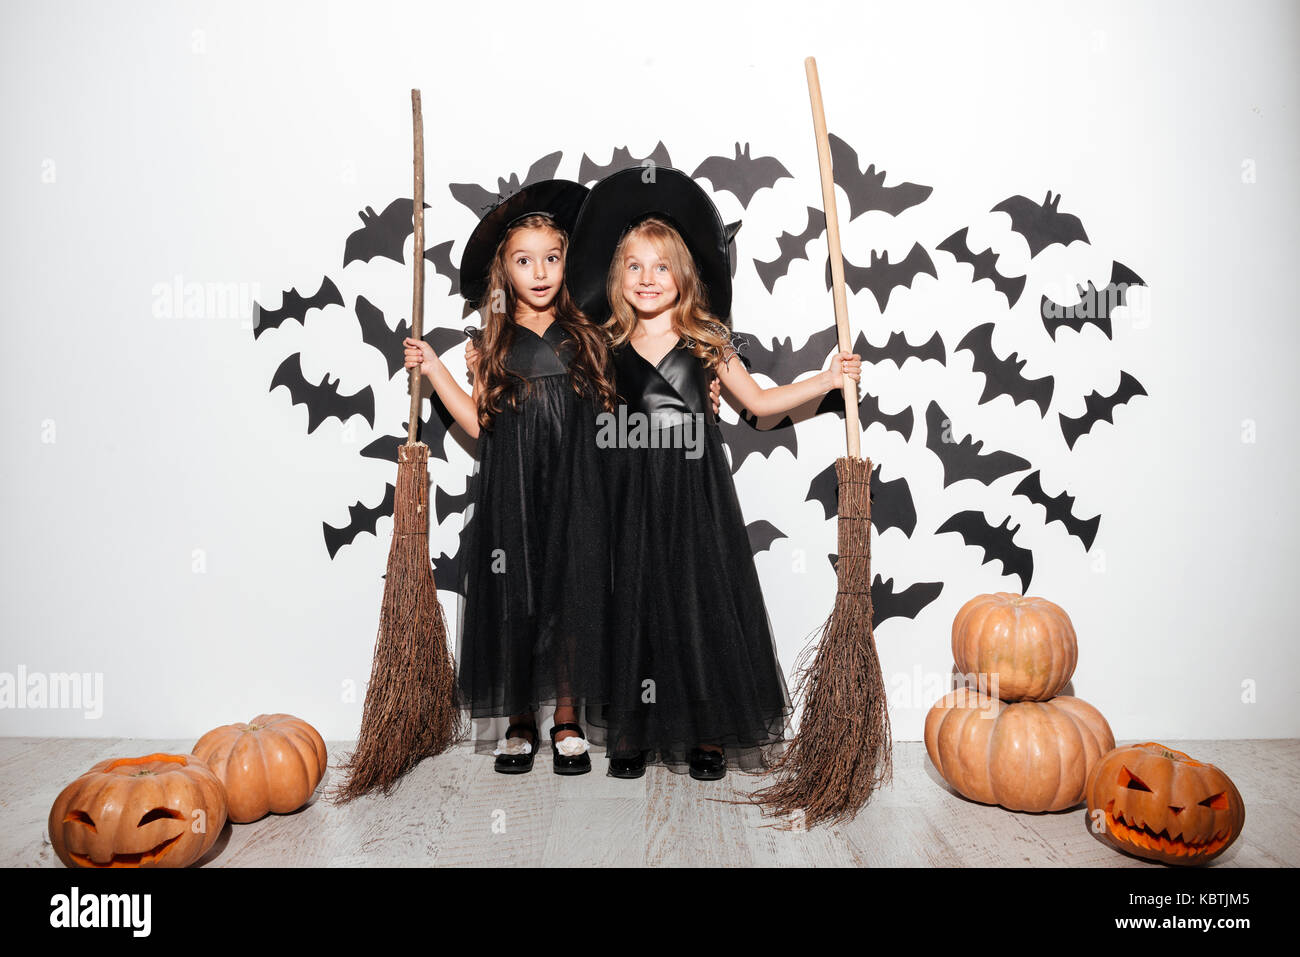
533 561
695 680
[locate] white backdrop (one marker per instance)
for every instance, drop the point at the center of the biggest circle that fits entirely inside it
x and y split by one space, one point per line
165 509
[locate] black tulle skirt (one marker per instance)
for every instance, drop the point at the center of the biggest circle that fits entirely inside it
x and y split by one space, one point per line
534 563
692 658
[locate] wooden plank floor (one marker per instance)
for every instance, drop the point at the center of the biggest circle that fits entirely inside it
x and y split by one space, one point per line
455 810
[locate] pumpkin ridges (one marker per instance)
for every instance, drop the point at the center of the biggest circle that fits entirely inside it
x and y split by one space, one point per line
271 764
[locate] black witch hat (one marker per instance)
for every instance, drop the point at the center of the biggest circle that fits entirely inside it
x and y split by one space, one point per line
558 198
620 201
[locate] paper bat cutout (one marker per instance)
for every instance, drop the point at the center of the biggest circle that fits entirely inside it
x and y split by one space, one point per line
882 277
323 400
869 412
1094 305
375 332
383 234
481 201
1002 376
439 257
962 460
1041 224
790 247
446 573
891 502
432 432
1098 408
908 603
984 265
1059 508
744 438
294 306
589 171
740 175
996 542
867 191
898 350
761 535
361 518
448 503
781 361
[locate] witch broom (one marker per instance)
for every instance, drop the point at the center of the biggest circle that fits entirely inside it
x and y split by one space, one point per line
411 710
841 752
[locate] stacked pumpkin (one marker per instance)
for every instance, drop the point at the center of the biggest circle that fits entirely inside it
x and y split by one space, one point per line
166 810
1024 746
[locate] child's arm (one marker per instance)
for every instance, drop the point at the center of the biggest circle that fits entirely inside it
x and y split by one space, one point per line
762 401
462 405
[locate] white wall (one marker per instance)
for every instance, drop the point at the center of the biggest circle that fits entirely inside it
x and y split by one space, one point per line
164 510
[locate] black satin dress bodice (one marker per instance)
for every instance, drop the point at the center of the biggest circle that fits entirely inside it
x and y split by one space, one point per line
677 386
533 356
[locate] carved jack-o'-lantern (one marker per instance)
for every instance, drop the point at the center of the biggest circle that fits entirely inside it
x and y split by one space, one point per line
1158 803
273 763
160 810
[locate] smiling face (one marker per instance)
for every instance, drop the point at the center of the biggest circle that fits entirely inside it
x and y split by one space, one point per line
648 284
535 266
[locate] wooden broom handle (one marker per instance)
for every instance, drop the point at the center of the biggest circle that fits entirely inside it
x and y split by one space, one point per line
417 297
854 433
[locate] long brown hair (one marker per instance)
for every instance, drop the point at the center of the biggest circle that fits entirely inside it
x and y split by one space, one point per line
589 370
704 335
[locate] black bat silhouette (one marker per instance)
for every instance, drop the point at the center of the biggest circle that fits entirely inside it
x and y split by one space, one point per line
432 431
448 503
790 247
761 535
997 542
882 277
481 201
898 350
294 306
323 400
867 190
382 234
869 412
375 332
781 361
589 171
983 265
446 573
361 518
908 603
1002 376
439 257
891 502
1059 508
1098 408
1094 305
744 438
740 175
962 460
1040 223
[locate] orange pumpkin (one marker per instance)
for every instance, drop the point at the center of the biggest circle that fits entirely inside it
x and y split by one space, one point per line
1029 643
1027 756
160 810
1160 804
273 763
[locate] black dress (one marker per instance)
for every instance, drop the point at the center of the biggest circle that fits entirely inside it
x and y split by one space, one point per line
692 660
534 567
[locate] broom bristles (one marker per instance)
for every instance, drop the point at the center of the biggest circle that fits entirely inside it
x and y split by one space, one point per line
842 751
411 710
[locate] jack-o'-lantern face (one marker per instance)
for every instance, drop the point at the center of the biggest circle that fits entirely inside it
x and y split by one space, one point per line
1158 803
161 810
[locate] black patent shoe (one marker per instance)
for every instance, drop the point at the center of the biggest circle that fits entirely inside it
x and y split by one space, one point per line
628 767
569 764
519 763
708 765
